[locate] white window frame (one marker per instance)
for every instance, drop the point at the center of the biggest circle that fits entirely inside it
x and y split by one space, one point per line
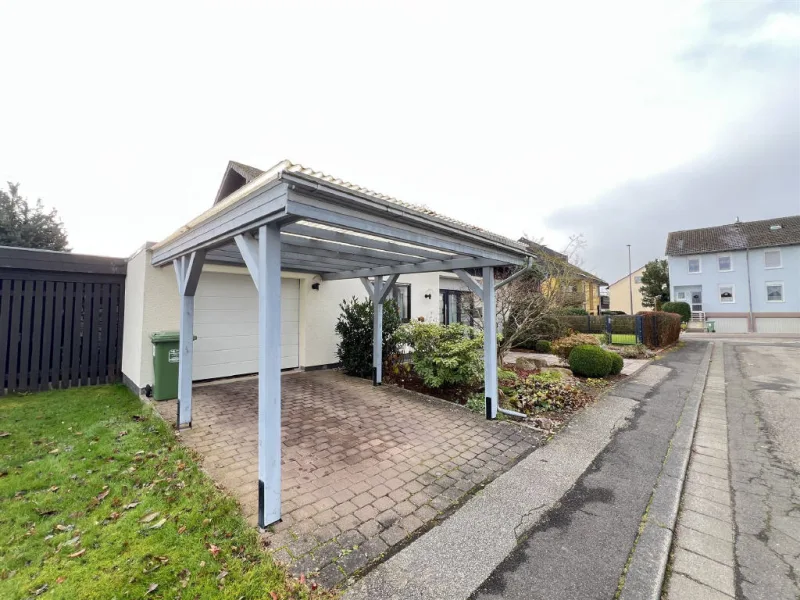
730 258
639 277
775 283
733 293
680 296
780 258
699 265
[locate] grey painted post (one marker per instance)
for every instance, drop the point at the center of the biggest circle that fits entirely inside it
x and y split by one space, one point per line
269 374
489 343
187 270
377 331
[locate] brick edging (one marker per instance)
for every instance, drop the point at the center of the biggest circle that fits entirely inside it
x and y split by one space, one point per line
646 567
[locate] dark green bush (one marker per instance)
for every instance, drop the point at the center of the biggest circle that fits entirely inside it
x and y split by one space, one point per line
590 361
681 308
444 355
616 364
354 327
544 346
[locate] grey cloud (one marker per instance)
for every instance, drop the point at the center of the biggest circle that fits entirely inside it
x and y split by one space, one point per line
754 173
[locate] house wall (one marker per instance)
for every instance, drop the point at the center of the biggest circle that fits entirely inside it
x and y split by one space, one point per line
620 297
769 317
152 304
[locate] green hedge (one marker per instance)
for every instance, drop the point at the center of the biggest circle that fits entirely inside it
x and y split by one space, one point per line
590 361
616 364
680 308
660 328
544 346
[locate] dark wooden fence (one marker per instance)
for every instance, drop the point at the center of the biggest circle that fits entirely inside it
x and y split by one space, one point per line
61 318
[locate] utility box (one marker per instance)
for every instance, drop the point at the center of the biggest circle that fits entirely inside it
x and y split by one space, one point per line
166 359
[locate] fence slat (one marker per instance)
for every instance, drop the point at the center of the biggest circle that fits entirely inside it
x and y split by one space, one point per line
36 335
5 306
15 325
69 327
25 337
58 322
77 334
86 333
102 361
48 298
113 334
96 330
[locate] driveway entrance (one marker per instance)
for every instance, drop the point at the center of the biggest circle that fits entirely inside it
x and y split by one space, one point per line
364 468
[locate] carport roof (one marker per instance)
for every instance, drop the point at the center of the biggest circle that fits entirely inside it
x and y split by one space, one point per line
336 228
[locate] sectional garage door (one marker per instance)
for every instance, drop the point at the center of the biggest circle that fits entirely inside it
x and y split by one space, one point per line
226 325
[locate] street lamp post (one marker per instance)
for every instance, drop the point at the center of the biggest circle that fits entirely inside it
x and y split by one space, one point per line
630 276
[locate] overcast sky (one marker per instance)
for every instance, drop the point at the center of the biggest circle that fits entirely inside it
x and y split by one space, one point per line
619 120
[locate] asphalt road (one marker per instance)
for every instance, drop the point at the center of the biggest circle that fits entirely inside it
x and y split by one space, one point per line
763 389
580 547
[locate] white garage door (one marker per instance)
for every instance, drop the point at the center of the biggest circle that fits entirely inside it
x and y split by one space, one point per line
226 325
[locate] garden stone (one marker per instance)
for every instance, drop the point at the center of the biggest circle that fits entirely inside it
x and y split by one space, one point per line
529 363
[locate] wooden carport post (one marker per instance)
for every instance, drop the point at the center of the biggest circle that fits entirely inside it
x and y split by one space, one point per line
263 260
486 292
378 291
187 270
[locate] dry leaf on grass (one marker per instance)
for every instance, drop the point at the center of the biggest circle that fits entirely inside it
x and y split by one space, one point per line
153 587
131 505
158 525
101 496
213 549
80 552
4 434
148 518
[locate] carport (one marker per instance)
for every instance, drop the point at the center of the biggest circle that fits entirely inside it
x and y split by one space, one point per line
297 219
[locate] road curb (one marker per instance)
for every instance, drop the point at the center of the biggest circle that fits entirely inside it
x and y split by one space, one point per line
647 564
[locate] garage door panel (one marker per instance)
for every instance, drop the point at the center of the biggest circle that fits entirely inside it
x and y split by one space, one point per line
226 325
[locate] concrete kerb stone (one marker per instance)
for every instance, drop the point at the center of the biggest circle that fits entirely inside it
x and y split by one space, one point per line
647 565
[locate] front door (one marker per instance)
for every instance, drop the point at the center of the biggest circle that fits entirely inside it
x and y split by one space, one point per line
697 301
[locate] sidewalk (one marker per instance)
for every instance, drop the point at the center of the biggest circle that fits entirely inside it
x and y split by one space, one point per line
535 531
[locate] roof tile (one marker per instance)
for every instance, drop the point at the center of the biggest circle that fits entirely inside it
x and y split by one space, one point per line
782 231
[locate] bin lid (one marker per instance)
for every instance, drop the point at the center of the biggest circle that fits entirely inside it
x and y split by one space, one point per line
165 336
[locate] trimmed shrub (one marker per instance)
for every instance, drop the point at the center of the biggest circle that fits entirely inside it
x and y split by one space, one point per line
571 310
679 308
563 347
544 346
660 329
354 327
444 355
616 364
590 361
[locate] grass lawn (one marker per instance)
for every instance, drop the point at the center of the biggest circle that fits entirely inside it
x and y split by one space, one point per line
97 500
620 339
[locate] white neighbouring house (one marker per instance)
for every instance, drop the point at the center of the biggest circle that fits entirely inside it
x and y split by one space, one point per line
226 309
744 276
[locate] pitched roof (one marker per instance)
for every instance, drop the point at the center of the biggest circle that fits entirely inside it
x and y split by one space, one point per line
783 231
535 248
250 174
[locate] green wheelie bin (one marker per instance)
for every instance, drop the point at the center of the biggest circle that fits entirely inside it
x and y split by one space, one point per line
166 357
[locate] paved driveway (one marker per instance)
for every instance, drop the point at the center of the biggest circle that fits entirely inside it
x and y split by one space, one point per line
738 533
364 469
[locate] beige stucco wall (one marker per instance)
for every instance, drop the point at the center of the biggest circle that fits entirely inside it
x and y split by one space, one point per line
319 310
620 298
152 304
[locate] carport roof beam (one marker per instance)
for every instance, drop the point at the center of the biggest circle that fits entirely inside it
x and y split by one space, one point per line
338 230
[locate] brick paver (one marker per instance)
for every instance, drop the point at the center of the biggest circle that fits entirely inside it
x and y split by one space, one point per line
703 548
364 468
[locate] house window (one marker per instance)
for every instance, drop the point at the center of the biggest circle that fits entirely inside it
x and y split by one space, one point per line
724 263
680 295
455 306
727 294
637 279
772 259
694 265
401 293
774 291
